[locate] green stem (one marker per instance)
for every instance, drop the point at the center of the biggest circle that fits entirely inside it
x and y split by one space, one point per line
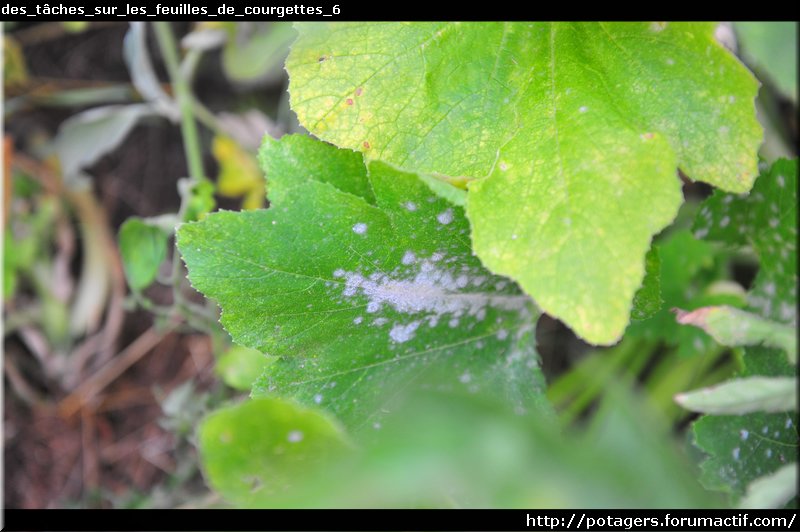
191 140
206 117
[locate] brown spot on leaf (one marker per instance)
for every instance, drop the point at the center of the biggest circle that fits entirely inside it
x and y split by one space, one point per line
322 58
359 91
366 144
349 101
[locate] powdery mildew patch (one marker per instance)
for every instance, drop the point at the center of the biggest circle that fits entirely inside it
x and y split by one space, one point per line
432 290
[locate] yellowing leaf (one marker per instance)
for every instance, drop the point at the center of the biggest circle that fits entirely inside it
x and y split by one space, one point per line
239 174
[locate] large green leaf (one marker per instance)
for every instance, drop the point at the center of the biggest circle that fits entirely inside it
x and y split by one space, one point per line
766 220
448 450
572 132
361 300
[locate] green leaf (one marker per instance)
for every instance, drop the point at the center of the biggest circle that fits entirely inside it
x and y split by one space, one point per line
744 448
240 366
733 327
573 130
647 300
143 248
766 220
773 490
742 396
257 449
449 450
773 47
295 159
362 301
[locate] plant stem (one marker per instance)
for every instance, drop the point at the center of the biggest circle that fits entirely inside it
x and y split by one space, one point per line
191 140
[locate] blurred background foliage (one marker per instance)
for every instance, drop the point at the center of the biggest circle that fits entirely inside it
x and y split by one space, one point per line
113 365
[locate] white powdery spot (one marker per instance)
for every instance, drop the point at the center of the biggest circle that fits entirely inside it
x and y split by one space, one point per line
502 334
701 233
318 398
295 436
433 289
445 217
465 377
735 453
403 333
409 258
744 434
670 61
410 206
360 228
358 320
781 181
725 221
583 109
